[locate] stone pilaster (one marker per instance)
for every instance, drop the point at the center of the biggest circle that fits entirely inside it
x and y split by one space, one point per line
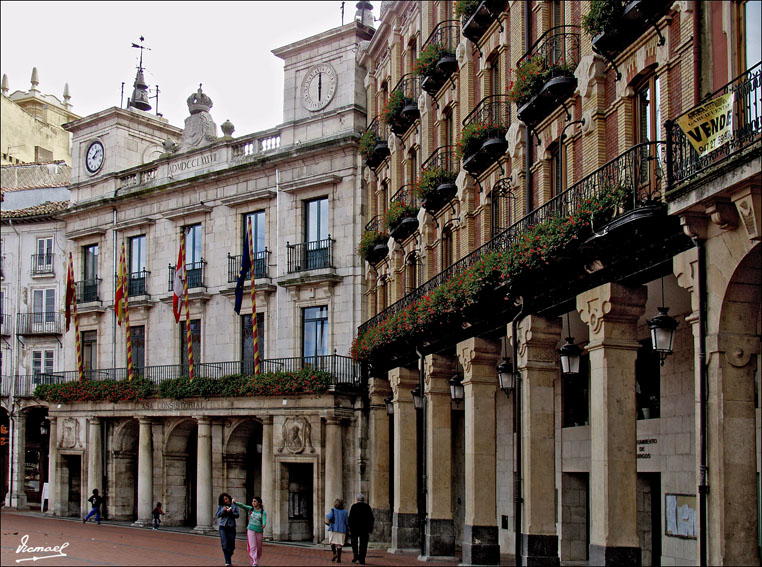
94 457
379 447
405 529
16 495
145 473
204 520
611 312
479 358
53 506
538 363
334 465
440 530
267 468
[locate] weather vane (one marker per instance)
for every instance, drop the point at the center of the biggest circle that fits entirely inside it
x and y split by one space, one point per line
141 47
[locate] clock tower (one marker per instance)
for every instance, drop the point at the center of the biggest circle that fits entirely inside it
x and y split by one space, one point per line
323 83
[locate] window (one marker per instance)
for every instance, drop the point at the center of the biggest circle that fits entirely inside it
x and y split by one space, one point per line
449 129
556 173
195 329
43 308
494 75
247 342
316 234
448 248
89 287
575 395
42 263
138 340
751 33
137 263
382 294
42 361
412 159
411 273
647 380
194 263
89 350
647 123
315 331
258 236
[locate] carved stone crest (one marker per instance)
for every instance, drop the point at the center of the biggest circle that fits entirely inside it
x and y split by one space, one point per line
296 436
70 436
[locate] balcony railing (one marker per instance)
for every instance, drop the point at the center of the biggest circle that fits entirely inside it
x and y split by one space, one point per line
409 89
375 224
404 204
684 162
137 283
343 370
554 56
313 255
261 259
632 172
6 325
406 196
42 264
87 290
483 142
440 45
477 22
194 273
374 156
50 323
437 183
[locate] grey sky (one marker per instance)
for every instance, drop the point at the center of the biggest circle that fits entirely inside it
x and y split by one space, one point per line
224 45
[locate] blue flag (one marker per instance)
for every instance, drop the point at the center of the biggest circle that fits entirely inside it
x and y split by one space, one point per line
245 268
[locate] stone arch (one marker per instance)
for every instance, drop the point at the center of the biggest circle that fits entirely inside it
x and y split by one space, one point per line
180 452
242 460
122 478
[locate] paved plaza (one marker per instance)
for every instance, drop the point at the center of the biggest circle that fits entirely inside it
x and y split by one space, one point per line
117 543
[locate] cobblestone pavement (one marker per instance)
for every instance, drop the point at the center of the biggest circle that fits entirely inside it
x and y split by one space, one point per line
117 543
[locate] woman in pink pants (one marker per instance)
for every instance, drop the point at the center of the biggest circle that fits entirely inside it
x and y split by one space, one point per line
257 523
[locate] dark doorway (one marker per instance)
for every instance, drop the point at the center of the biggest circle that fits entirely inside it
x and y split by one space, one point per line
36 454
71 478
649 517
300 494
190 478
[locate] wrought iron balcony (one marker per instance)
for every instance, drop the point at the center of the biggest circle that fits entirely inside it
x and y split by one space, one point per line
314 255
545 74
42 264
343 370
373 246
684 163
483 141
477 22
437 61
635 175
194 274
402 111
261 260
436 185
48 323
6 325
87 290
402 215
137 283
374 145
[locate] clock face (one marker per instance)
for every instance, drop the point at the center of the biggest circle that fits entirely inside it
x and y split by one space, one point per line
94 157
318 87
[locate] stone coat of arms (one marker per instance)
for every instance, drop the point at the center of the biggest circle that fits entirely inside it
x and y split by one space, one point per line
296 436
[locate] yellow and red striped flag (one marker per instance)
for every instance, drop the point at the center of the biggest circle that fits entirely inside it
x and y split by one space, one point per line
123 307
71 300
119 296
255 338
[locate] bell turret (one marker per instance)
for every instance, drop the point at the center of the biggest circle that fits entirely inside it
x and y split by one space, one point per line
139 98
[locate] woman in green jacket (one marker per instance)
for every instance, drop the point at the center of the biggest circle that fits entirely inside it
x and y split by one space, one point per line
257 523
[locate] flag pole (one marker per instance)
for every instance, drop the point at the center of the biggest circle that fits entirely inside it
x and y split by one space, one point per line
255 338
187 310
125 288
77 338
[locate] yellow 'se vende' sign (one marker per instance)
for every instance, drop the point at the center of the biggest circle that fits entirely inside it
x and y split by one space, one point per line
710 125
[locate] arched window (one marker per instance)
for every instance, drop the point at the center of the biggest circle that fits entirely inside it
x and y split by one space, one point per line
411 273
448 247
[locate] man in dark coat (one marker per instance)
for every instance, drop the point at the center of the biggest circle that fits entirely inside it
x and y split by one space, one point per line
360 525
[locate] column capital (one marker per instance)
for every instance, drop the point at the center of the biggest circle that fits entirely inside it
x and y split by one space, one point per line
476 352
333 420
145 421
267 420
94 420
610 303
537 331
203 419
437 372
52 419
402 378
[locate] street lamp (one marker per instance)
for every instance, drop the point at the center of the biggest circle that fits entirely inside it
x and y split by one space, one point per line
389 406
506 377
43 428
662 330
456 389
417 398
570 353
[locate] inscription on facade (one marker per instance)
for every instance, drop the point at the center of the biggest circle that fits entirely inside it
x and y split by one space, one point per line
643 451
192 163
174 405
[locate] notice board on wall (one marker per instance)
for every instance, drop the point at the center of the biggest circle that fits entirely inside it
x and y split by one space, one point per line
681 515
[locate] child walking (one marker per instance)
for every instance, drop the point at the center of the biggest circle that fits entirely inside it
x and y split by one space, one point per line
257 523
157 513
96 501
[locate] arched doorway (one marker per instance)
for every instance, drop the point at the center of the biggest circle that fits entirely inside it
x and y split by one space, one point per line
123 483
242 460
180 462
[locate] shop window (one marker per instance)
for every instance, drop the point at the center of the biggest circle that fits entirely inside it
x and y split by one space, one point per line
575 395
647 381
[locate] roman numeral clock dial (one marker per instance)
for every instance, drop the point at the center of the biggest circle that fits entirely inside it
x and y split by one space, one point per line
318 87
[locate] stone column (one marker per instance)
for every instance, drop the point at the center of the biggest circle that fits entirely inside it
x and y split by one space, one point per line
538 363
440 529
204 476
611 312
405 529
53 506
379 447
145 472
267 469
16 493
94 457
334 466
479 358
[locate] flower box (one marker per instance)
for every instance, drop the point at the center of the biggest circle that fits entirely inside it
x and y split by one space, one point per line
440 196
436 187
373 148
554 91
373 247
477 17
401 220
613 25
404 228
482 144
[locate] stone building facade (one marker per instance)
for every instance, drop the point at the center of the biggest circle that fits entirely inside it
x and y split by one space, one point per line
140 181
530 182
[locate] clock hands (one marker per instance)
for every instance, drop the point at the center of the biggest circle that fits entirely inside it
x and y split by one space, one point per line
320 85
